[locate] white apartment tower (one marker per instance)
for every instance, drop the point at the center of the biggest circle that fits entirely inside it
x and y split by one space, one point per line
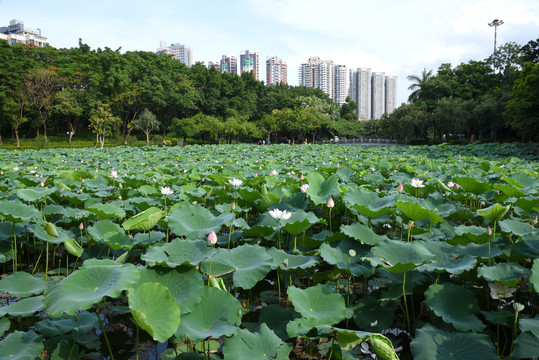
360 91
326 76
378 95
276 71
390 94
180 52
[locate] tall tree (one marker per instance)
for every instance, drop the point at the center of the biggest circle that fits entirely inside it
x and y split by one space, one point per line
418 82
147 122
103 123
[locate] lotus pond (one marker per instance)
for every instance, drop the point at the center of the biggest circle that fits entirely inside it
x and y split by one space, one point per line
270 252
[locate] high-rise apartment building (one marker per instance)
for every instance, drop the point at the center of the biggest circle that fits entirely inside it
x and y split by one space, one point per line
180 52
390 94
360 91
214 64
229 64
249 62
326 76
377 95
17 33
276 71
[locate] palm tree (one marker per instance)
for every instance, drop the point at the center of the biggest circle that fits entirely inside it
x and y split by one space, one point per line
417 84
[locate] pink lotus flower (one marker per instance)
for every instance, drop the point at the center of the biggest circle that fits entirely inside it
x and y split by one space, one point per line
489 231
331 203
400 187
304 188
113 173
301 177
212 238
42 183
274 172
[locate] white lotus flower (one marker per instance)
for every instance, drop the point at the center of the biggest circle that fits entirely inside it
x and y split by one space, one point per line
417 183
498 290
113 173
280 215
235 182
304 188
274 172
450 184
165 190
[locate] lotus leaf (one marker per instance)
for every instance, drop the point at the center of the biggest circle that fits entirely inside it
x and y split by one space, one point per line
81 323
417 212
145 220
22 284
534 278
214 316
34 194
526 346
276 318
362 233
24 307
107 211
509 274
455 305
21 346
368 203
300 221
320 189
261 345
73 247
518 228
5 324
399 256
494 213
319 302
195 222
16 211
448 258
154 310
373 314
286 261
88 285
472 185
248 263
111 234
177 252
339 255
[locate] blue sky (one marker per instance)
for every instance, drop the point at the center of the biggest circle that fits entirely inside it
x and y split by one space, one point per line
396 37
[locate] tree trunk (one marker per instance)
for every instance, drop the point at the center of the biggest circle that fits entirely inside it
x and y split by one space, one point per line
147 138
17 137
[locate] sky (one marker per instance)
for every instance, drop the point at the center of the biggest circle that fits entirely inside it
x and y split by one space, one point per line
393 36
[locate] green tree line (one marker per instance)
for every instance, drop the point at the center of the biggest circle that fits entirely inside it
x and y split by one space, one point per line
68 92
497 99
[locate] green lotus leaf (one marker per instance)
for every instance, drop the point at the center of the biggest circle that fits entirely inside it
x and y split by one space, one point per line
146 239
262 345
373 314
417 212
148 190
526 346
368 203
362 233
400 257
22 284
528 204
300 221
455 305
509 274
472 185
276 318
432 343
503 317
81 323
177 252
16 211
529 324
34 194
448 258
494 213
524 181
39 230
510 191
143 203
24 307
195 222
383 347
186 288
107 211
248 263
88 285
73 247
144 221
5 324
111 234
339 254
286 261
534 278
214 316
319 302
516 227
469 234
154 310
21 346
320 189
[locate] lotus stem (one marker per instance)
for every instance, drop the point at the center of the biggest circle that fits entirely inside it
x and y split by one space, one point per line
230 235
47 259
279 285
406 305
137 341
104 332
330 219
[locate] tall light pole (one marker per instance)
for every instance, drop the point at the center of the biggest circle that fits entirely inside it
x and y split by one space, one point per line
495 23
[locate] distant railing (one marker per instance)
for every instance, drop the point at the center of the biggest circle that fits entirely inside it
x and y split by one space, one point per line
362 141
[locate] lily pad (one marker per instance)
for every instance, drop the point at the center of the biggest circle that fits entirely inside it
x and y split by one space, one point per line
399 256
21 346
368 203
262 345
177 252
24 307
111 234
154 310
417 212
22 284
319 302
362 233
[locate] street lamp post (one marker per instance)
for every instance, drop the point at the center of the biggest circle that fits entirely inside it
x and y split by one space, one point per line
495 23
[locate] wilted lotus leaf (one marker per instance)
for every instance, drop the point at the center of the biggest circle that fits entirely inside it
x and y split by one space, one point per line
263 344
432 343
22 284
214 316
154 310
455 305
88 285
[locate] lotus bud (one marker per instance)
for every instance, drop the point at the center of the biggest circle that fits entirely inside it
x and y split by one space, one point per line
301 177
535 220
400 187
331 203
51 229
233 205
489 231
256 174
212 238
42 183
81 226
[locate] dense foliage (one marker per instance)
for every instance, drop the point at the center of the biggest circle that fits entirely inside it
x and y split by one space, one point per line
60 90
270 252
